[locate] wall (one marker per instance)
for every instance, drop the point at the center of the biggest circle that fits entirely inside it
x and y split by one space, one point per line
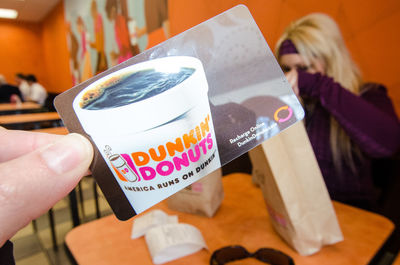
55 51
37 48
20 49
370 28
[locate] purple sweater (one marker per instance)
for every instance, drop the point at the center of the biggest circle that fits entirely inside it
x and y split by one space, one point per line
369 120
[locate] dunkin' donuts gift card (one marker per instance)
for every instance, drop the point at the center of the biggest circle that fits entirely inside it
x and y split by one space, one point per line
176 112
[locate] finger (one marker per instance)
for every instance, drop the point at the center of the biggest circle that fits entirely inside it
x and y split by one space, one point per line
289 76
296 90
30 185
295 82
16 143
292 77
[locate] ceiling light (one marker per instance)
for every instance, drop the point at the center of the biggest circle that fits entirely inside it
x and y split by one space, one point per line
8 13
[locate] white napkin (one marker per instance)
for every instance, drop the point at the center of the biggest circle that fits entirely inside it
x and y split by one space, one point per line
149 220
172 241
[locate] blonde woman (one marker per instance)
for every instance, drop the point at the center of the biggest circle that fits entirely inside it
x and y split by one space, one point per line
348 121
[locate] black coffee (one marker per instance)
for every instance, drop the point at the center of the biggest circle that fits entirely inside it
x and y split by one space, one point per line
136 87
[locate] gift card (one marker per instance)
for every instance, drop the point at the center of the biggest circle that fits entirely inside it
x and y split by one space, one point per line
176 112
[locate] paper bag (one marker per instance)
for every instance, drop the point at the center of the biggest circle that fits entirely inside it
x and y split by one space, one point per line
202 197
295 194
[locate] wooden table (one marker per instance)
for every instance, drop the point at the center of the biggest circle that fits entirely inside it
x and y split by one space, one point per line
17 107
54 130
31 117
242 219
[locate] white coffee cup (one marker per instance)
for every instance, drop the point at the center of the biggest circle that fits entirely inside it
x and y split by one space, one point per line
166 140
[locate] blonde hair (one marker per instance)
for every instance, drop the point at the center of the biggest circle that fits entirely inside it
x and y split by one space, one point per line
317 37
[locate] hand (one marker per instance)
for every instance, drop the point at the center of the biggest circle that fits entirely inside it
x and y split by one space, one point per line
293 77
36 171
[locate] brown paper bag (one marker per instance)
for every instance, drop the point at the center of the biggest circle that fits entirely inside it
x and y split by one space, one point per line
202 197
297 200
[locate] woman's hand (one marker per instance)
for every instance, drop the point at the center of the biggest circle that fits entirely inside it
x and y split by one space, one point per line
36 171
293 77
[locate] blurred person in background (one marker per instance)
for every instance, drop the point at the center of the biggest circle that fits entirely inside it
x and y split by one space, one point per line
20 80
349 122
36 93
9 93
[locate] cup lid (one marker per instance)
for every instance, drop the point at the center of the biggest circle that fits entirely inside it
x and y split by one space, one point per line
152 111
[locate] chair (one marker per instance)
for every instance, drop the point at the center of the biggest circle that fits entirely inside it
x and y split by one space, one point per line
50 214
397 260
81 201
386 175
48 104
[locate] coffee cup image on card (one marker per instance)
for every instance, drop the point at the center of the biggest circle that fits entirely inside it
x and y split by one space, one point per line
153 126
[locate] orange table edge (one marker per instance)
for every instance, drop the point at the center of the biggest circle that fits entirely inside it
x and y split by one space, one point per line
53 130
20 106
31 117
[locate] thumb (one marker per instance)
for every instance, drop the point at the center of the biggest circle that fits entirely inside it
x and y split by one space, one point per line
292 77
31 184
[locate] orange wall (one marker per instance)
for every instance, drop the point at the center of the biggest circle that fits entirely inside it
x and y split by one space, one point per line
55 51
370 28
37 48
20 49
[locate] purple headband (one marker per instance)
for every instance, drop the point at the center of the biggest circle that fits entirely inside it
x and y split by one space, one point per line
287 47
